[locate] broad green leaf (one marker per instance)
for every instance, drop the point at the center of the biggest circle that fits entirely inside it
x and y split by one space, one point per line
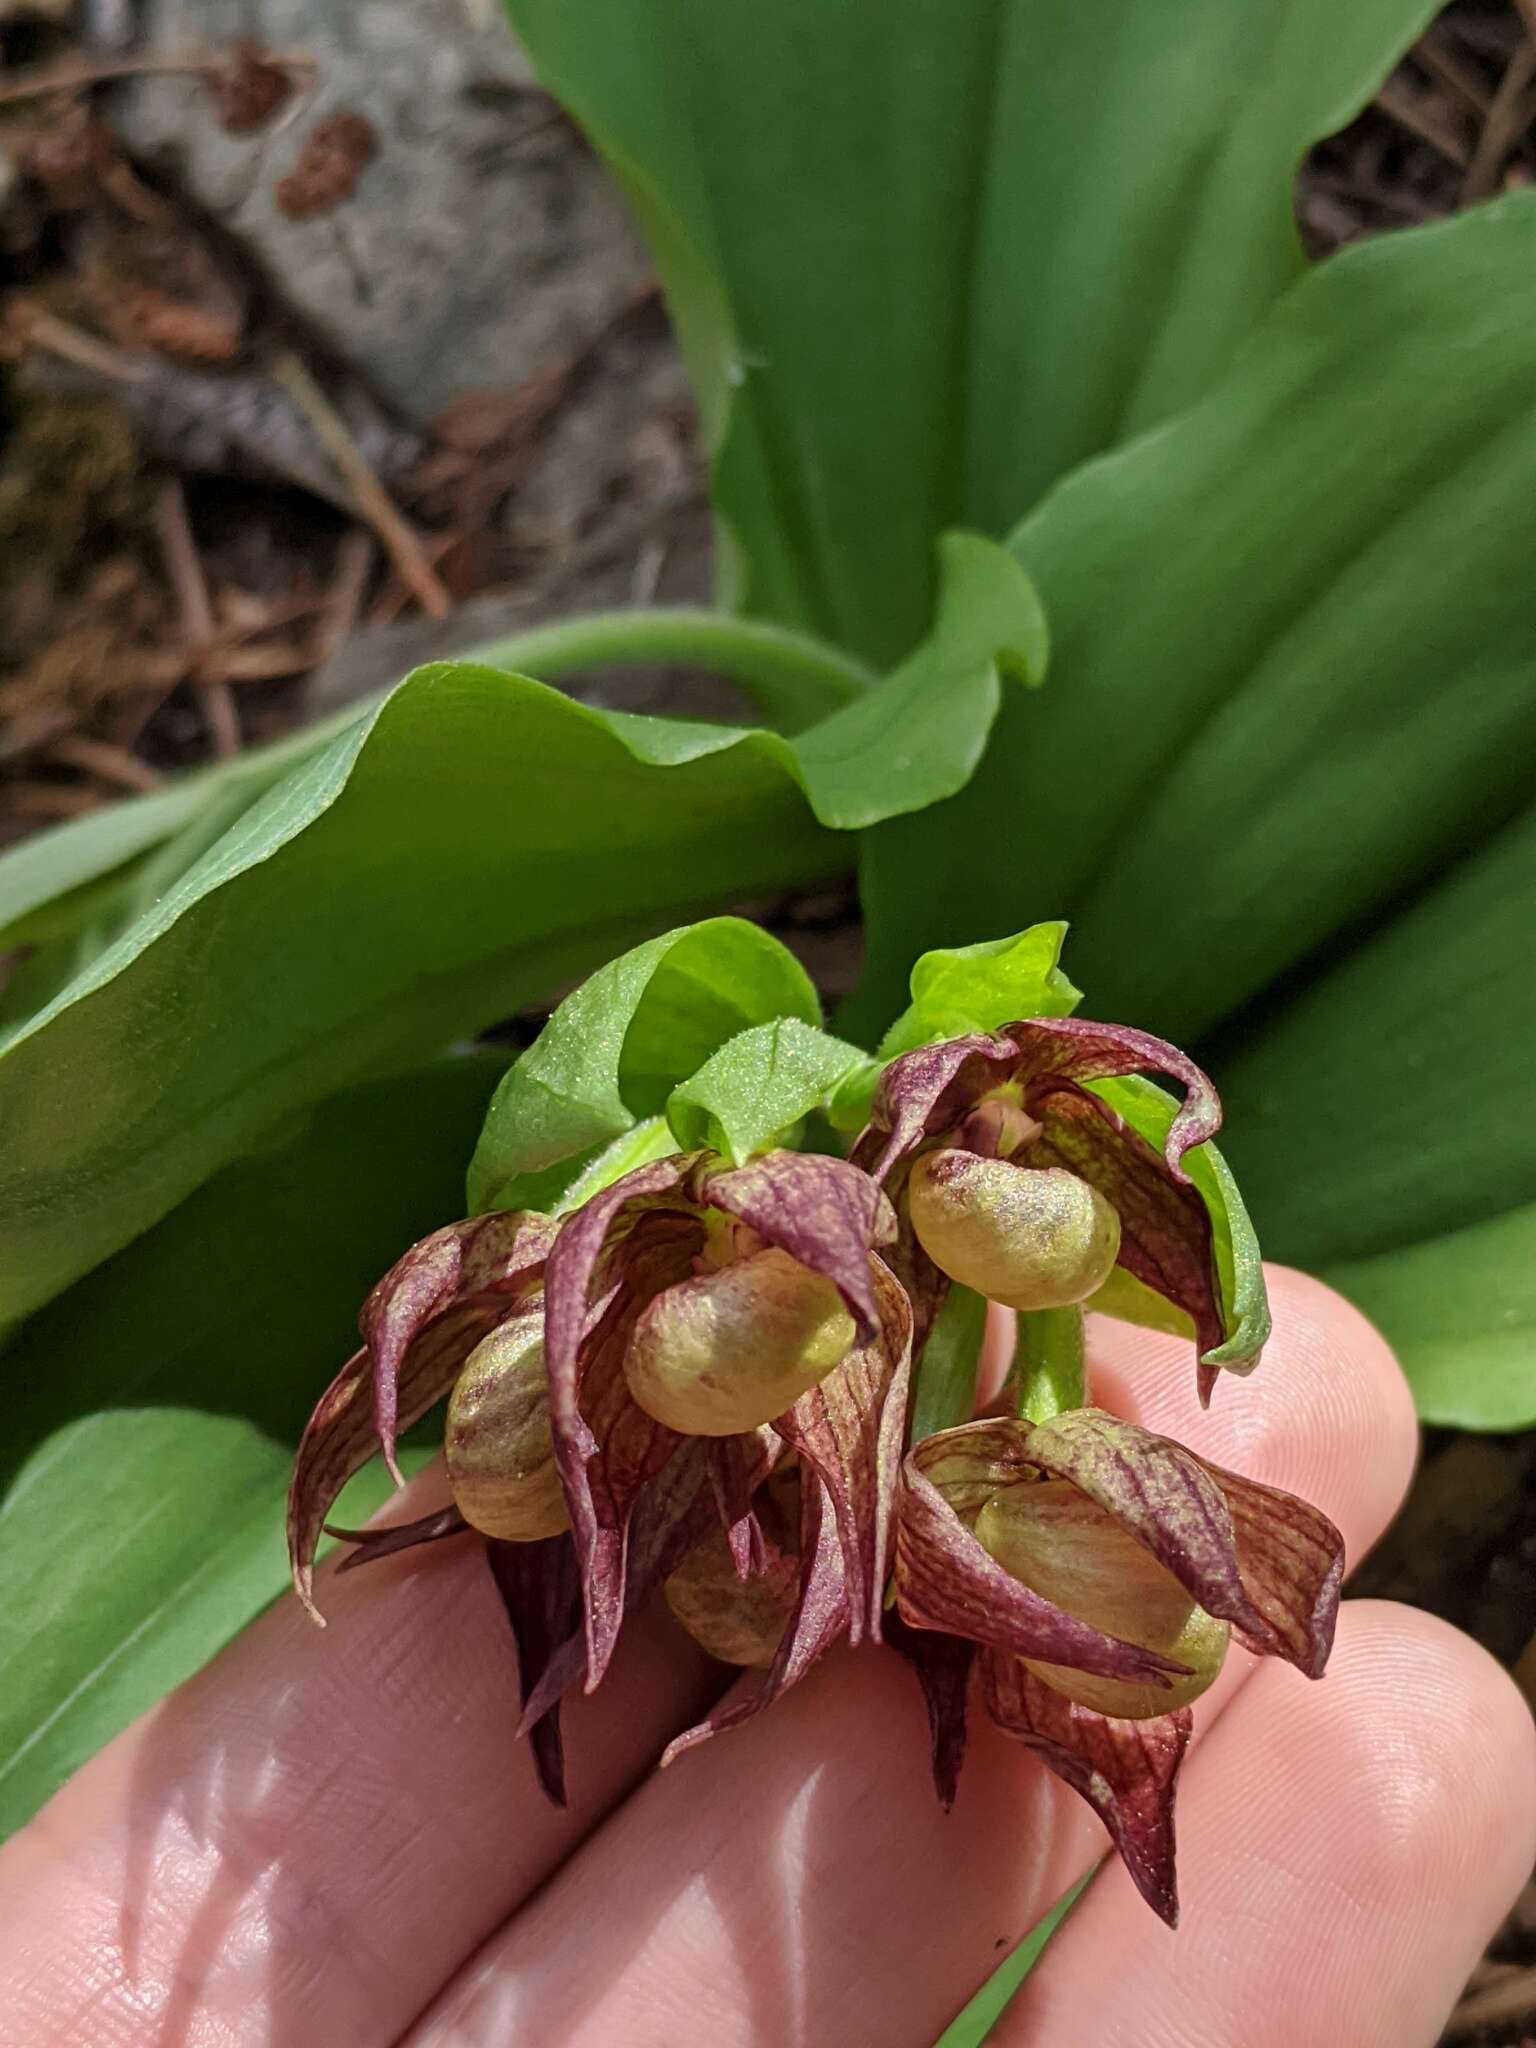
1150 1110
983 987
922 258
123 858
477 839
1392 1099
944 1374
151 1413
918 735
1461 1313
1292 651
613 1051
755 1091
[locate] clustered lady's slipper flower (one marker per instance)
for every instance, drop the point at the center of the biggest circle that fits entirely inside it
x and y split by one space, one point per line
1091 1571
1010 1175
698 1380
625 1386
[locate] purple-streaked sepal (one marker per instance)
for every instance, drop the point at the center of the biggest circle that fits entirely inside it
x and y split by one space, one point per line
1126 1770
541 1592
945 1580
820 1618
943 1665
485 1261
419 1324
824 1212
849 1432
1256 1557
642 1235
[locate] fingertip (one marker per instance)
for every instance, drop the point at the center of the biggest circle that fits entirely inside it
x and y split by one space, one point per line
1377 1825
1326 1414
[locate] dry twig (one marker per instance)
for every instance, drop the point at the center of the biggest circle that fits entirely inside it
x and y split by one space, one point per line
373 501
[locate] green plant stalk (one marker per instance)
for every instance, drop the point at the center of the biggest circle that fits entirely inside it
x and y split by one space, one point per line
1047 1374
944 1392
794 678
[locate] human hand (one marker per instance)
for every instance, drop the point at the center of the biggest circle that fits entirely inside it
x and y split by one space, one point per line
332 1841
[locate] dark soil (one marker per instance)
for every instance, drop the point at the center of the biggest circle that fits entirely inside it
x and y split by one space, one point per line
184 572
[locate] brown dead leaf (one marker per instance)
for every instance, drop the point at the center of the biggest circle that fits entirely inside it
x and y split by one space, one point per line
338 151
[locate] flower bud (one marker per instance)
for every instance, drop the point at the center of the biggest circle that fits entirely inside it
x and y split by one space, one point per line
1062 1545
1024 1236
733 1348
501 1462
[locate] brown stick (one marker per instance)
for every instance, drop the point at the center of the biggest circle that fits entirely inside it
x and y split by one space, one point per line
1407 112
106 762
196 63
1507 120
185 570
373 501
1512 1998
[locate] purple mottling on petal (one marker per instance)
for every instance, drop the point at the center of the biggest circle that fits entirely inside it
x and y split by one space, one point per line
605 1446
1165 1229
1292 1562
340 1437
824 1212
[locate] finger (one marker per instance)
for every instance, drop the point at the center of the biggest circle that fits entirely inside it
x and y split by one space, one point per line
801 1865
1355 1452
1346 1856
303 1842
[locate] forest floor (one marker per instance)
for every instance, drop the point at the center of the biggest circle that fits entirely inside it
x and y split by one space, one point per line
223 516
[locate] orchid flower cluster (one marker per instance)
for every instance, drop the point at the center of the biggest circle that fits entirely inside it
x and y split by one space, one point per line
708 1360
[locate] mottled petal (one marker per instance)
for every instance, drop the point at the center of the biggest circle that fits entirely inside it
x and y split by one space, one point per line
1161 1494
605 1445
823 1212
945 1579
927 1091
541 1591
497 1255
1165 1229
341 1436
1077 1049
820 1618
372 1544
851 1430
1291 1558
1126 1770
943 1666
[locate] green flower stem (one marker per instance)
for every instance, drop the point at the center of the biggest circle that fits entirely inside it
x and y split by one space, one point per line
791 677
944 1392
1047 1373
